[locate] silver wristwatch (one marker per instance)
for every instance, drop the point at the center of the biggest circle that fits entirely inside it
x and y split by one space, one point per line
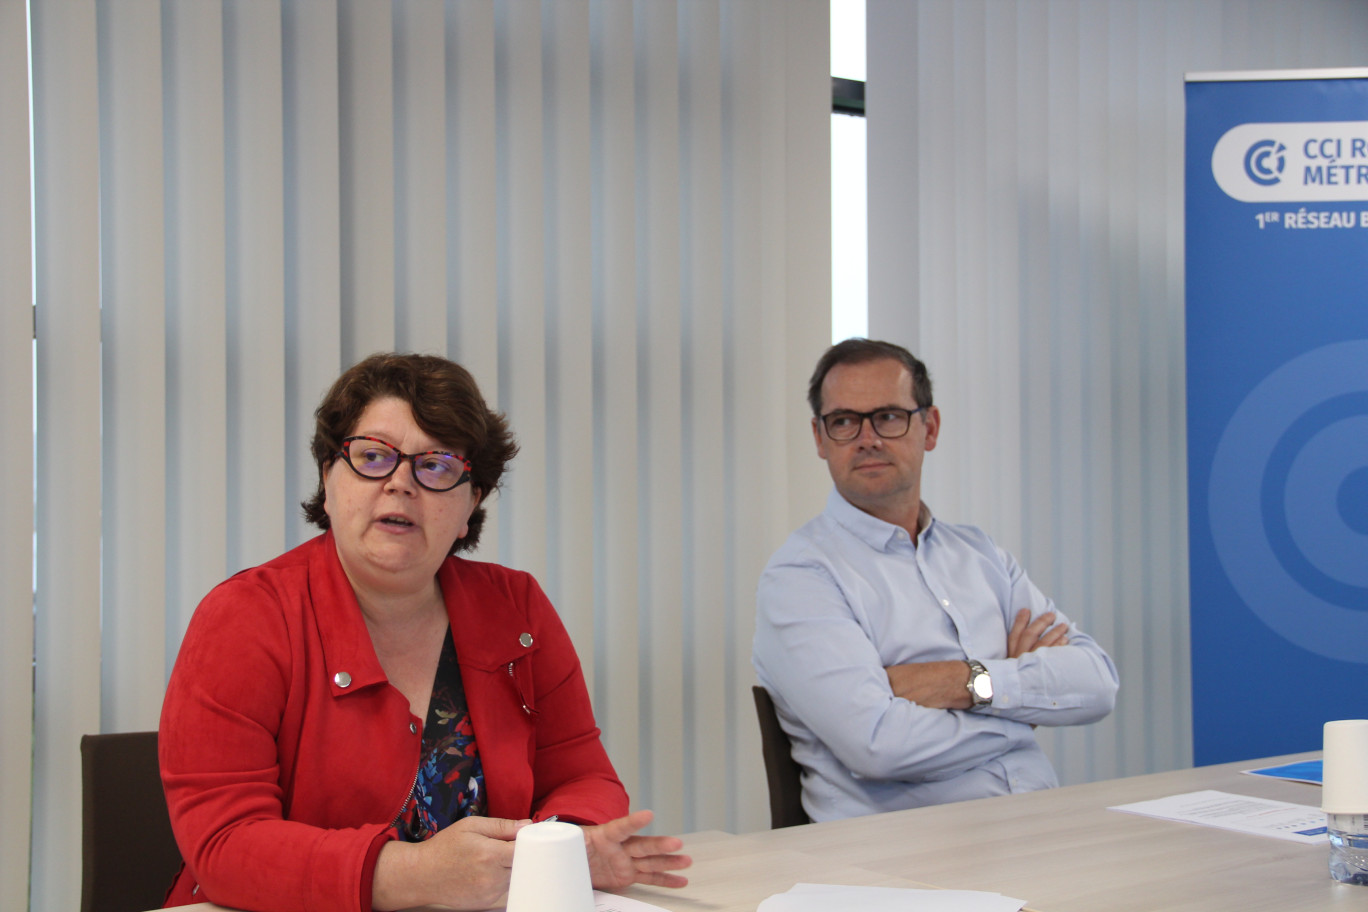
980 684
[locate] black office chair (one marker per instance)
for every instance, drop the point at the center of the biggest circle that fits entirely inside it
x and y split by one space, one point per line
784 774
128 854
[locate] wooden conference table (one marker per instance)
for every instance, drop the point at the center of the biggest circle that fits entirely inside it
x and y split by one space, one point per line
1060 850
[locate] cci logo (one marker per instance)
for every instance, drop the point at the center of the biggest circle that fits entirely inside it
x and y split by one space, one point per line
1309 162
1264 162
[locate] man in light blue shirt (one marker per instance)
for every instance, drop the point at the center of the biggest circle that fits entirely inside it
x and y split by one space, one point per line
909 659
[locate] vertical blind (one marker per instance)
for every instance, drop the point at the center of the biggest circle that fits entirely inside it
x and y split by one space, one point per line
1026 237
613 212
16 494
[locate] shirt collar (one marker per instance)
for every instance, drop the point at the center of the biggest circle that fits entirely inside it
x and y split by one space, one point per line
871 530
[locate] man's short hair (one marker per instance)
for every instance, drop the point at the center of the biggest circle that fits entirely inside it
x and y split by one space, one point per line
861 351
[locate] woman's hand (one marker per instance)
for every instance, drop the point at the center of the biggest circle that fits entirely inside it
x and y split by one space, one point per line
464 866
619 858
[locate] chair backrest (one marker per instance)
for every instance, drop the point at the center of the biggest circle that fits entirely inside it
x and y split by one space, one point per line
784 774
128 854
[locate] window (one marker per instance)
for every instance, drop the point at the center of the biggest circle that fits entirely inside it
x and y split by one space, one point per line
849 222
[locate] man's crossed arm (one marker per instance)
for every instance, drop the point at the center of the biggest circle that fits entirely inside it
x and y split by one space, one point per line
945 685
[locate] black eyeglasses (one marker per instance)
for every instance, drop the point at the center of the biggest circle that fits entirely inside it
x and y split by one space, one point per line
888 422
436 470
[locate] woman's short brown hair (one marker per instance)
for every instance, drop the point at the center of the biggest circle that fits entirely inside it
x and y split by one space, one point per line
446 405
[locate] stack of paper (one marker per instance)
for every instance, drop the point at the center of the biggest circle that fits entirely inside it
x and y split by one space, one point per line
828 897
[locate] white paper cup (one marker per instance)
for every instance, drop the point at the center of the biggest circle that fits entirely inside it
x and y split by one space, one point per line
1344 789
550 870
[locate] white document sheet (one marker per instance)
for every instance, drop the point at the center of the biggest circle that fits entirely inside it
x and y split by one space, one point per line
1241 813
611 902
830 897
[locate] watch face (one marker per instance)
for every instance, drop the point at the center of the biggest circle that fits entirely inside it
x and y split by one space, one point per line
983 687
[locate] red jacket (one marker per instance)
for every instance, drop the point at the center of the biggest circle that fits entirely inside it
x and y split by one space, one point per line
282 775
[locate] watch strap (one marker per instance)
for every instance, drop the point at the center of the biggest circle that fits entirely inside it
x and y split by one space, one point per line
977 670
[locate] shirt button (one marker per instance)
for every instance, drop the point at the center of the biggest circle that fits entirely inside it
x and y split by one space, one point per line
342 679
413 728
525 639
945 602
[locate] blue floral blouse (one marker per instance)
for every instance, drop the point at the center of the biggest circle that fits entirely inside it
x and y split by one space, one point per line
450 783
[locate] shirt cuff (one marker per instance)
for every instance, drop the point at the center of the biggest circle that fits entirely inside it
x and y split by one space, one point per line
1006 675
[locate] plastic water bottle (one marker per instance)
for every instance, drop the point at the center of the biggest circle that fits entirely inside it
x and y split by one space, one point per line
1348 847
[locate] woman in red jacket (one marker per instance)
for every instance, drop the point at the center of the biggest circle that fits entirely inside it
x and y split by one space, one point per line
367 720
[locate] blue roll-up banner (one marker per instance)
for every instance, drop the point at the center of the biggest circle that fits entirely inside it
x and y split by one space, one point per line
1277 385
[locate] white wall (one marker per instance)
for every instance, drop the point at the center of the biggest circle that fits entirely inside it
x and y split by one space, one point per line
1026 239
